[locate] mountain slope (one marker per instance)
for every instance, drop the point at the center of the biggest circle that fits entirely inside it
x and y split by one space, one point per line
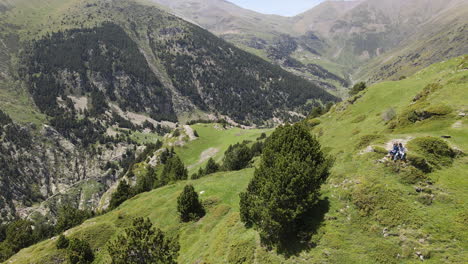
164 42
96 77
366 39
373 211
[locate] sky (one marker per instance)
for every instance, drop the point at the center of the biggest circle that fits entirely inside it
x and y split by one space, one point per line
278 7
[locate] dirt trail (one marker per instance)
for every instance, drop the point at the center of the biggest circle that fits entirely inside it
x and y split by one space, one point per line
404 141
204 156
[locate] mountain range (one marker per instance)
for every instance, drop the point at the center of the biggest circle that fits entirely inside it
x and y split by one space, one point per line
363 39
94 93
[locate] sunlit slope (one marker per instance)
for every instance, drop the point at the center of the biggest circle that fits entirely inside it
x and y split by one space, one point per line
371 214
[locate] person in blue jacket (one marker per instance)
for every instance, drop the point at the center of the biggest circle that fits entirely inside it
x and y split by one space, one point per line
394 152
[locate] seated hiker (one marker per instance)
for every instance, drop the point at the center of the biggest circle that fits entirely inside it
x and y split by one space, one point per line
394 151
401 152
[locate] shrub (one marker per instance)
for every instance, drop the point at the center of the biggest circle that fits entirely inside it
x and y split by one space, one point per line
62 242
360 86
313 122
80 252
419 163
143 243
188 205
411 175
243 252
436 151
286 185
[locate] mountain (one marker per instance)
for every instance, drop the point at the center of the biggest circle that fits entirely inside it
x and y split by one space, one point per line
362 39
82 82
268 36
372 210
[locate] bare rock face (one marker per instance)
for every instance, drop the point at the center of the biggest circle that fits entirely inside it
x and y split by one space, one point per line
48 170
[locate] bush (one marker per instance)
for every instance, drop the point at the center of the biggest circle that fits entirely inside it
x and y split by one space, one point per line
360 86
286 185
419 163
436 151
411 175
62 242
142 243
80 252
188 205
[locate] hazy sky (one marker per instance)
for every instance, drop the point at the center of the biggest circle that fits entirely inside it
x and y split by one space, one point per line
279 7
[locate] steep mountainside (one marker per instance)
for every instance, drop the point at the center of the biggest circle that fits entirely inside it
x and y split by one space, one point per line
372 210
268 36
83 82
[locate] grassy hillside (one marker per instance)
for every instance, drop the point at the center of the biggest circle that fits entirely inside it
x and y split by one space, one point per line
370 213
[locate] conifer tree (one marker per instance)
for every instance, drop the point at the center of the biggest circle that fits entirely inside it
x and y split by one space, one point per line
286 185
122 193
188 205
174 170
143 243
211 167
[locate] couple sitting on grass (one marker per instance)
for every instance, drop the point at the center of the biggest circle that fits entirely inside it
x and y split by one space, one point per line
398 152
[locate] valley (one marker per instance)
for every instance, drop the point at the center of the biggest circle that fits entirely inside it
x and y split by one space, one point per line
275 129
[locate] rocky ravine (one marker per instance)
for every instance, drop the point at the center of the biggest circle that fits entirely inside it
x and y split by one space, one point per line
41 170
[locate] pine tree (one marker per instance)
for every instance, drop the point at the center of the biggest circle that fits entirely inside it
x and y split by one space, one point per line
122 193
286 185
174 170
188 205
211 167
142 243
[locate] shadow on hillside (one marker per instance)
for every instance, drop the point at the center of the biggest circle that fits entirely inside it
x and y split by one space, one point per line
307 227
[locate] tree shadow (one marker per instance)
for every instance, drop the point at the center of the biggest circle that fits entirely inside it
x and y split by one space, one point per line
306 227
